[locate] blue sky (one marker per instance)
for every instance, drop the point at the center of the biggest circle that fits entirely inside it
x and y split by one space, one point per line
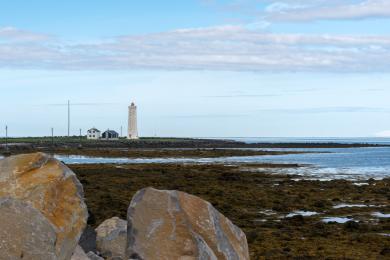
197 68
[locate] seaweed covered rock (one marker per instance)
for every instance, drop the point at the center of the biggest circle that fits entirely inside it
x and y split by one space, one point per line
53 189
111 238
175 225
25 232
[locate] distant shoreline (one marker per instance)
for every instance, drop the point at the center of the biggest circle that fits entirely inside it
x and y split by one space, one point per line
44 143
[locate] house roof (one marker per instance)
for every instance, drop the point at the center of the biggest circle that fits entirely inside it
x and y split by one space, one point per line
93 129
111 132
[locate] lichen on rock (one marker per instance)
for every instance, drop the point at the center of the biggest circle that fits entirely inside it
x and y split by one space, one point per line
53 189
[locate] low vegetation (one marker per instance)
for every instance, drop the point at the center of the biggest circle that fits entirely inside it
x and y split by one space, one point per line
258 203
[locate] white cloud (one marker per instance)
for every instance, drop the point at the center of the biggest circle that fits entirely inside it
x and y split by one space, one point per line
325 110
214 48
331 10
383 134
306 10
14 34
283 6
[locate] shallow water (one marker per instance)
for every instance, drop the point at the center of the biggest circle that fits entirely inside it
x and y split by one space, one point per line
340 220
340 206
357 164
333 163
336 163
380 215
302 213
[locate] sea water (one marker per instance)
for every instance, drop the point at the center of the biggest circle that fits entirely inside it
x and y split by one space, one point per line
324 164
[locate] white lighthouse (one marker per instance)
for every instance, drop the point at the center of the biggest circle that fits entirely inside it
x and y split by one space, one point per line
132 132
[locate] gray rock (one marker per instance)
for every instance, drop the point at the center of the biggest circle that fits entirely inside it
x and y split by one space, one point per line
79 254
111 238
176 225
88 239
93 256
25 232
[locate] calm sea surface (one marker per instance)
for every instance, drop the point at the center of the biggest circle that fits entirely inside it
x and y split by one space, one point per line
355 140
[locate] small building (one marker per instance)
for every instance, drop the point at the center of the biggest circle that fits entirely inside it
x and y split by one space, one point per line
93 134
110 135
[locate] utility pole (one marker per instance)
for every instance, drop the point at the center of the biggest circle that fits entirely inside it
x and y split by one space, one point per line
68 118
52 137
121 131
6 138
80 145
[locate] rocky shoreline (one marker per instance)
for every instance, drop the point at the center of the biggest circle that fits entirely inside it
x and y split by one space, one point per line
282 217
259 204
43 215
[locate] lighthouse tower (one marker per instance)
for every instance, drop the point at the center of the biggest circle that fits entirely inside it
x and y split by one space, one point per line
132 132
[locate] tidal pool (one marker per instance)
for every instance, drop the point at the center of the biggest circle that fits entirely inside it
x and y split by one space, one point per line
340 220
302 213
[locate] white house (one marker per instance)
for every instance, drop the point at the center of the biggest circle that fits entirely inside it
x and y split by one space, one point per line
93 134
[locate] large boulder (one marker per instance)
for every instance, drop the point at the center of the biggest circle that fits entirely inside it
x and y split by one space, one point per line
53 189
175 225
24 232
111 238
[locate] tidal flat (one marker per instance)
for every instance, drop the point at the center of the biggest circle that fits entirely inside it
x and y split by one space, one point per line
261 204
169 153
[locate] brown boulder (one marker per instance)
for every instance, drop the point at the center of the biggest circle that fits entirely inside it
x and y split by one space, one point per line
176 225
53 189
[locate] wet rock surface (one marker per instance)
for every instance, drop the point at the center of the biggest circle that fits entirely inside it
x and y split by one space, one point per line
175 225
111 238
51 188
